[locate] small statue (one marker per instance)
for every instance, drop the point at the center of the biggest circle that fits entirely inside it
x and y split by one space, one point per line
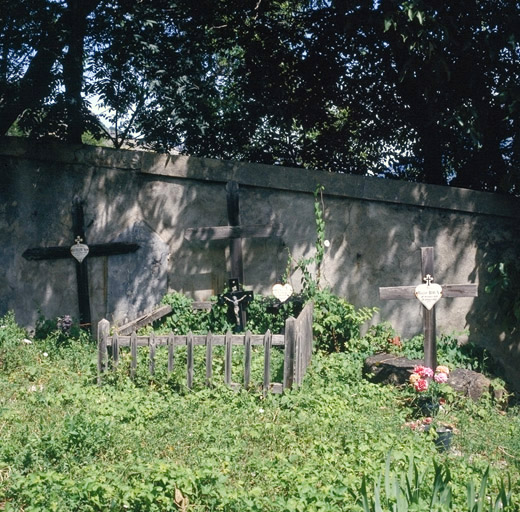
236 305
238 301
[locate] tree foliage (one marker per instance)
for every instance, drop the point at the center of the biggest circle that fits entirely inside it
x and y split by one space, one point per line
425 91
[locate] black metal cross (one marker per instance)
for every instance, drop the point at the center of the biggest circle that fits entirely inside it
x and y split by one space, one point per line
234 232
409 292
237 301
62 252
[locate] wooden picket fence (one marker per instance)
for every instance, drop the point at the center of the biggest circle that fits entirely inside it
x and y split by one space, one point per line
296 342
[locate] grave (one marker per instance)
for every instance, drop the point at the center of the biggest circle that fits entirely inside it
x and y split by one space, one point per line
428 294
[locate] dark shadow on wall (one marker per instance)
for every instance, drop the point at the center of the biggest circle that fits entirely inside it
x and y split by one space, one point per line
492 324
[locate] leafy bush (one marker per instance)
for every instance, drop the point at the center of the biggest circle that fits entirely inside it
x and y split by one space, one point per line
184 319
337 322
14 343
59 331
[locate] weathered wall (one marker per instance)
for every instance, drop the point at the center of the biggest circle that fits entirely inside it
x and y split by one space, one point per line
376 229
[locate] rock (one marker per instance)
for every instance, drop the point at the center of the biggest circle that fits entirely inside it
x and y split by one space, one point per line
469 383
392 369
389 368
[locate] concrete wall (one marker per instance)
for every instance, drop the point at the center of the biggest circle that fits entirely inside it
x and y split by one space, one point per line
376 229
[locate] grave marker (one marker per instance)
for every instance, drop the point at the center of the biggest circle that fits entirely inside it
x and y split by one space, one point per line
79 252
428 294
235 232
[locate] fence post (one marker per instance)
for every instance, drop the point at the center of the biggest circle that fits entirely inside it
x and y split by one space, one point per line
102 336
288 361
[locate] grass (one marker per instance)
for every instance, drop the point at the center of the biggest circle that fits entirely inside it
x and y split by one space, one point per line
67 444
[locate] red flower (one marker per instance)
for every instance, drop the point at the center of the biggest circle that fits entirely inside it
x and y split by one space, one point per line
420 385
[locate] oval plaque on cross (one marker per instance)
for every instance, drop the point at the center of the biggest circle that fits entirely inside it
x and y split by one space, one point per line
428 294
79 251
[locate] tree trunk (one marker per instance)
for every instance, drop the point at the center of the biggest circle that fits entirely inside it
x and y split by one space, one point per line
73 71
32 89
432 157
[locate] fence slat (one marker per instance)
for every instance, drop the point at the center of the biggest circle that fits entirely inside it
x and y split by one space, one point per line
247 359
171 348
288 361
189 362
305 320
152 354
102 336
267 361
227 359
209 359
115 350
133 353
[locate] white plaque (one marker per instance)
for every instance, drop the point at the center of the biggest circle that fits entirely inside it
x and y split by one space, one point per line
282 291
79 250
428 294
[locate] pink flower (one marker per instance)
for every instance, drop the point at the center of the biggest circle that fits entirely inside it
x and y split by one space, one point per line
428 420
423 371
440 377
420 385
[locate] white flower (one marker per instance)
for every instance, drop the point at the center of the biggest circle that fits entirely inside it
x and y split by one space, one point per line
326 243
45 354
26 341
261 411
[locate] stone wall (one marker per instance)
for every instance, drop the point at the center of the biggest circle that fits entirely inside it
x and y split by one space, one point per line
375 227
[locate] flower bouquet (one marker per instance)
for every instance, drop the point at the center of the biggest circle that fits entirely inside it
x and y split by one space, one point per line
429 386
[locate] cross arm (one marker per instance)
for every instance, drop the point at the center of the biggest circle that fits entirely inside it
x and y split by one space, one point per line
460 290
397 292
227 232
56 253
408 292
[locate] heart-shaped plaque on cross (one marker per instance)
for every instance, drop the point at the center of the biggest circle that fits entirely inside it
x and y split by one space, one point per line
79 250
429 293
282 291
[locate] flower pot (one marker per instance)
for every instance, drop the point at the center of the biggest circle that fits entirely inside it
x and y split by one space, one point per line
443 439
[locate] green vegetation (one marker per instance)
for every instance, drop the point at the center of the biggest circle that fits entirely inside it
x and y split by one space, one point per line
338 442
423 91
